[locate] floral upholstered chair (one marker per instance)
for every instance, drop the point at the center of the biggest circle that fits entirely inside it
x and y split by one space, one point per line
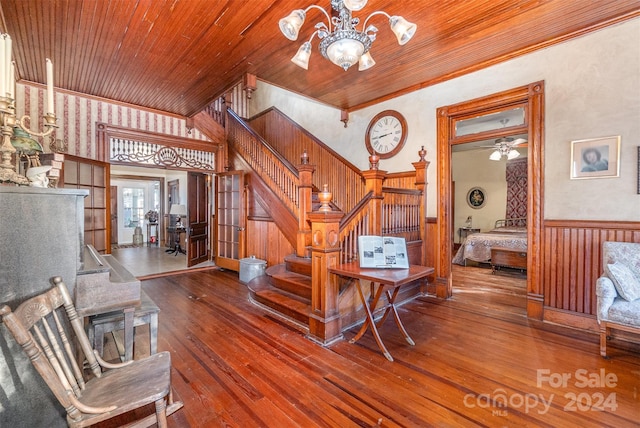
618 290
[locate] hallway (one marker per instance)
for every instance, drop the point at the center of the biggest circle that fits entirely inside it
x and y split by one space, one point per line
152 262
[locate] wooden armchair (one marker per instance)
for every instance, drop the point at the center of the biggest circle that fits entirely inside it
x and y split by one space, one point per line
40 326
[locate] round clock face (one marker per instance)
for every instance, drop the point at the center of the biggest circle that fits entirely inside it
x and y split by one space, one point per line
386 134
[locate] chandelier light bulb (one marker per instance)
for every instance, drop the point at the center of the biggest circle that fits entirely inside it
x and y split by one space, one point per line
301 58
290 26
355 5
495 156
345 52
366 62
403 29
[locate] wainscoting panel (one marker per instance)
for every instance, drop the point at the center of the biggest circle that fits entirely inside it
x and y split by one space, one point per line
572 256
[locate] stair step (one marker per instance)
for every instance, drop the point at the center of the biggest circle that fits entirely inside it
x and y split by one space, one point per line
281 301
294 283
301 265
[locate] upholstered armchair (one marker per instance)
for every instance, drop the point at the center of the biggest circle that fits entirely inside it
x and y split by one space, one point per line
618 291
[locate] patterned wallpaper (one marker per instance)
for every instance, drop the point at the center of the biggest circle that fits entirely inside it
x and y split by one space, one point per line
78 114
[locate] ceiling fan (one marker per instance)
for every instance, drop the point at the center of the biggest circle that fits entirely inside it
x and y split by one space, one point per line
504 147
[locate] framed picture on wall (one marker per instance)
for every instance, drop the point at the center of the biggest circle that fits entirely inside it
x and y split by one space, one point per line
476 197
595 158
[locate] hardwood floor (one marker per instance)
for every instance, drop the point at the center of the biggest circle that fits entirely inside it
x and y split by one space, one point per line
235 364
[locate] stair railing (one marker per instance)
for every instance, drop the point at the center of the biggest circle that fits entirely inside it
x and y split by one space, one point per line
279 174
289 139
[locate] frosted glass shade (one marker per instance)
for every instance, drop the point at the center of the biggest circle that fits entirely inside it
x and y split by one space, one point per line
345 52
366 62
495 156
301 58
355 5
403 29
290 26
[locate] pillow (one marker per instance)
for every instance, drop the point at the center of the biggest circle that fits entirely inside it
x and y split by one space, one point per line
624 279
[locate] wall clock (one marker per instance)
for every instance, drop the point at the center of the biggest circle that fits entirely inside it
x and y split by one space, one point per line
386 134
476 197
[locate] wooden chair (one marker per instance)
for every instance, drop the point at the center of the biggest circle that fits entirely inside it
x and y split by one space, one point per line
40 326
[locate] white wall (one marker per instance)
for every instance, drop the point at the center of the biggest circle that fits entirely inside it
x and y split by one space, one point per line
592 89
473 170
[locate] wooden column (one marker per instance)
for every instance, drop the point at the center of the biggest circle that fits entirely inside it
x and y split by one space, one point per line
373 183
324 321
305 175
421 184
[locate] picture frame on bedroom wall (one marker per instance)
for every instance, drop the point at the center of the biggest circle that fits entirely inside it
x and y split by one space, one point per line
595 158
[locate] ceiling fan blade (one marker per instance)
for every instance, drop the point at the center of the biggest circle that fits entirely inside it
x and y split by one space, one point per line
518 141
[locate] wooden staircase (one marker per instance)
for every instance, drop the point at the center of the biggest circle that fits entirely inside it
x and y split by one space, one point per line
286 289
284 184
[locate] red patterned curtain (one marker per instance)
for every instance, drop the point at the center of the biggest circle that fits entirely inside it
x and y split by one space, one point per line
517 188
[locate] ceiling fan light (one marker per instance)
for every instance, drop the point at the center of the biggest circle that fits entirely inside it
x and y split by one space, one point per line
403 29
301 58
513 154
355 5
345 52
366 62
290 26
495 156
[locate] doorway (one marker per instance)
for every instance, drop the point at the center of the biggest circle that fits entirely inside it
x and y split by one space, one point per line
489 210
449 121
135 198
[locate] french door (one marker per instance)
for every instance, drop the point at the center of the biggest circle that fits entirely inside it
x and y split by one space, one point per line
230 220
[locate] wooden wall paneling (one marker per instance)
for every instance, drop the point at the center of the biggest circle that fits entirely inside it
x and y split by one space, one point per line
572 255
266 242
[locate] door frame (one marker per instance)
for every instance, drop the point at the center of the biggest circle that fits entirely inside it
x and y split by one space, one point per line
144 178
532 97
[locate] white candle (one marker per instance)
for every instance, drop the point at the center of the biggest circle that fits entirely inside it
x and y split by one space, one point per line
12 81
3 66
7 52
50 107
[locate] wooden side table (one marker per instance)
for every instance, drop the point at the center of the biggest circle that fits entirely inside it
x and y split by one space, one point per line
152 227
388 281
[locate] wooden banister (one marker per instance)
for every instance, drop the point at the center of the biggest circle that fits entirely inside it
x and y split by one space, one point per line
274 169
289 139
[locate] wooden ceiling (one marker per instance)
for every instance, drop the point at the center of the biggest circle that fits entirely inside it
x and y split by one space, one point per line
179 55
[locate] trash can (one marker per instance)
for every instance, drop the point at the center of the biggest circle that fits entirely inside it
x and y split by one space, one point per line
250 268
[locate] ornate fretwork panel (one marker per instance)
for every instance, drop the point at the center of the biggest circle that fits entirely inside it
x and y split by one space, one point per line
145 154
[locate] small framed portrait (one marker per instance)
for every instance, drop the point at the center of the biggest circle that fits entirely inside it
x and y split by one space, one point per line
476 197
595 158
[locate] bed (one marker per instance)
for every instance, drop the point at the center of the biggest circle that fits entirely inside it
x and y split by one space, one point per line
507 233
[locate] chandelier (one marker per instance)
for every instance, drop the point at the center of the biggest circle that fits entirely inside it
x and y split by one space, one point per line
340 41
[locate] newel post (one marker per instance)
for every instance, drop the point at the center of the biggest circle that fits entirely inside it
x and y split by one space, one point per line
421 184
305 188
373 183
324 321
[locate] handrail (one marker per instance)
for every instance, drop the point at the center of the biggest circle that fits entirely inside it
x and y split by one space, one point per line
276 171
398 211
343 179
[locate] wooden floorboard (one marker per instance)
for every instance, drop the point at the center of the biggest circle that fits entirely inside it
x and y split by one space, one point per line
236 365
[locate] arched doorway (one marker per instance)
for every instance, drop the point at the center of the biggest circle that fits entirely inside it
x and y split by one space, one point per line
531 99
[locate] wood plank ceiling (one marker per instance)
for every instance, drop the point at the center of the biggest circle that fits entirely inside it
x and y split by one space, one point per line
177 56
